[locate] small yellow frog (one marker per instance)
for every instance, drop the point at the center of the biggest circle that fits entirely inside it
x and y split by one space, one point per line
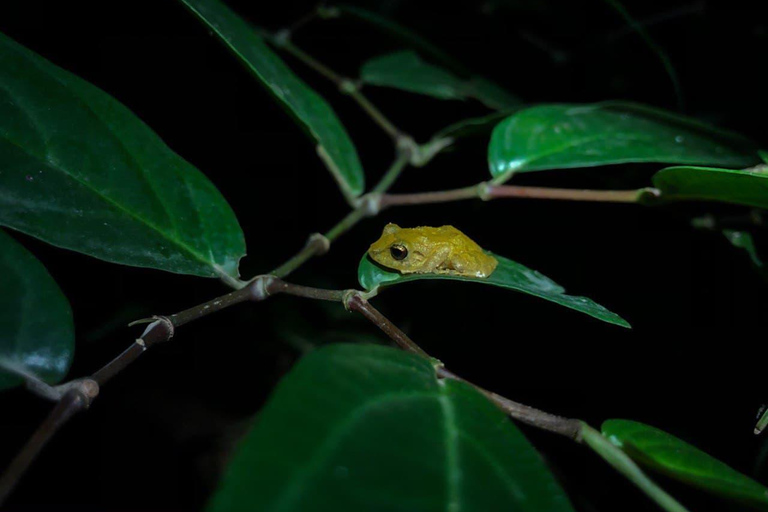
427 250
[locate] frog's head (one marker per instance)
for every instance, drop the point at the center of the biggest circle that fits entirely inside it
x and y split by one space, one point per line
398 249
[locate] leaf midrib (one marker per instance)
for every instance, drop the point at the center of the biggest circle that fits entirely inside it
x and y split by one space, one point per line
115 204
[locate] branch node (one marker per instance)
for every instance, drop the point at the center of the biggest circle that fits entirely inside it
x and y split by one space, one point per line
426 152
167 325
259 287
86 387
319 243
348 86
282 38
407 148
484 191
370 204
648 194
348 297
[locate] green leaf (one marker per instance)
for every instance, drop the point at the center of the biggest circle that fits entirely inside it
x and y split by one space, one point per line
405 70
508 274
745 187
317 117
80 171
560 136
37 335
679 460
365 427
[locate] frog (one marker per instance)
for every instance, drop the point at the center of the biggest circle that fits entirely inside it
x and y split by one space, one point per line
431 250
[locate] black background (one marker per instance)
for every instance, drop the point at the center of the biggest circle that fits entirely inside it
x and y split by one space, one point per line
158 436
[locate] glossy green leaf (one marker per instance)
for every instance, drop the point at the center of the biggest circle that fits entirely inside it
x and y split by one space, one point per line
405 70
366 427
565 136
679 460
318 118
684 183
37 335
80 171
508 274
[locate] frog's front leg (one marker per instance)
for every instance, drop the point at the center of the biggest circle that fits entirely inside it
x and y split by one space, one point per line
439 260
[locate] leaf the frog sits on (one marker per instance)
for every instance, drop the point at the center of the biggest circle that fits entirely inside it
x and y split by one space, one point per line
428 250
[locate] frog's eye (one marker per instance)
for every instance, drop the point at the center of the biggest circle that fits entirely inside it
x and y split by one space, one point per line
398 252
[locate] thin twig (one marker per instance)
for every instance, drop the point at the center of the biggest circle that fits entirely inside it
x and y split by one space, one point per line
80 393
443 196
573 429
487 192
345 85
71 403
319 244
567 427
362 306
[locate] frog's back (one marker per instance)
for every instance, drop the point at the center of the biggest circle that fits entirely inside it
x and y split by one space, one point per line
457 238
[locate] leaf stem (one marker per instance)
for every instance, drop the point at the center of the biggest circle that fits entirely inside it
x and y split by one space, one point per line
627 467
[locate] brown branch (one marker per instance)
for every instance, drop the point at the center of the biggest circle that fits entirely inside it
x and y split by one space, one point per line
72 402
362 306
609 196
80 393
567 427
487 192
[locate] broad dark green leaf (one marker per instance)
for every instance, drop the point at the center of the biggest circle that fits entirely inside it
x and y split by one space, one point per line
80 171
745 187
405 70
508 274
365 427
37 335
333 143
566 136
679 460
